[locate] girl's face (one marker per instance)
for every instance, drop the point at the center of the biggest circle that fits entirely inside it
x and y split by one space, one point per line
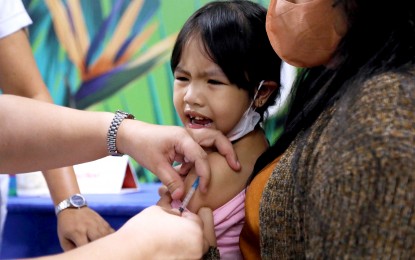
203 96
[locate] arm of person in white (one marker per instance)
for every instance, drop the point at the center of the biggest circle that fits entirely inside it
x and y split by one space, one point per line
37 136
155 233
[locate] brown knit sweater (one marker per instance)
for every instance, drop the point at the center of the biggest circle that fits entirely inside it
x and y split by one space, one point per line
346 187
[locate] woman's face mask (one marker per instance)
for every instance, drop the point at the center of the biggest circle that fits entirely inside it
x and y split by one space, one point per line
304 34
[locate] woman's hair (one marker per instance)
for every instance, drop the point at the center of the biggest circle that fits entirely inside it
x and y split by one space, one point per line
234 37
380 38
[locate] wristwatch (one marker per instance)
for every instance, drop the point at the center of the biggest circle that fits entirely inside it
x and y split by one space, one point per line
74 201
113 130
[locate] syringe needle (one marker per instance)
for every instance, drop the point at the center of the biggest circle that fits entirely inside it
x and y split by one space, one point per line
189 195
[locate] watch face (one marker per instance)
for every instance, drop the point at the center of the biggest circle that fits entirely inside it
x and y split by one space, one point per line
77 200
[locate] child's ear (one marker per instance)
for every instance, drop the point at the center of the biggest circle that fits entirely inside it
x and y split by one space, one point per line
267 88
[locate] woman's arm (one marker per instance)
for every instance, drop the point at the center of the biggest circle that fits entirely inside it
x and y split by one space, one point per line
362 196
38 136
76 226
20 76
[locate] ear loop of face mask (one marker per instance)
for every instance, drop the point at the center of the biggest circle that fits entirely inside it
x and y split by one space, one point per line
247 122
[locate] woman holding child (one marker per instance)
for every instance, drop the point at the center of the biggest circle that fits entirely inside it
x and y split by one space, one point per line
340 181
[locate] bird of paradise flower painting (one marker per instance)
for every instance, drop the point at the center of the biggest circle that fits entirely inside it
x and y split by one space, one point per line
104 66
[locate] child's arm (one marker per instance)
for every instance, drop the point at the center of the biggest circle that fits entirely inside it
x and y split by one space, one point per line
225 184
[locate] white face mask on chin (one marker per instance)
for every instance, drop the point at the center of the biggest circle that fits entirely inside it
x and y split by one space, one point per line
248 121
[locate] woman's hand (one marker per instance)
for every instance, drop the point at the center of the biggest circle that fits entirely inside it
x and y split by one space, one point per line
158 147
77 227
154 233
205 214
175 235
165 198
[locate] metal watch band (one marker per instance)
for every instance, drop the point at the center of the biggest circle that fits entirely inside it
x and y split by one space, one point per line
113 129
61 206
74 201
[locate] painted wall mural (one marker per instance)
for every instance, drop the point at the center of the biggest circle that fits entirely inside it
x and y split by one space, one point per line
104 55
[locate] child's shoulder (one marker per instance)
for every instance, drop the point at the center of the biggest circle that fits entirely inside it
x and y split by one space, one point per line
225 183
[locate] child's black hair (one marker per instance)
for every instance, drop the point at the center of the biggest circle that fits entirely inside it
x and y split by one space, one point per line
234 37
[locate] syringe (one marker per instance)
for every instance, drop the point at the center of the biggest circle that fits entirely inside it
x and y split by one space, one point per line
189 195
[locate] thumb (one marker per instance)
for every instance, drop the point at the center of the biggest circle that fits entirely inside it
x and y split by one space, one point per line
165 198
171 179
206 215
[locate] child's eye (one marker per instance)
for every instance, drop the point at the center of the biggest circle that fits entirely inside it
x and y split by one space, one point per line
181 78
214 82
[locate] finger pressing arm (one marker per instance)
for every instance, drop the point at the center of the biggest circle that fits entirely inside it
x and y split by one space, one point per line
210 138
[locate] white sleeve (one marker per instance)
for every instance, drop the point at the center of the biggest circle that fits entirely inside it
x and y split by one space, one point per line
13 17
